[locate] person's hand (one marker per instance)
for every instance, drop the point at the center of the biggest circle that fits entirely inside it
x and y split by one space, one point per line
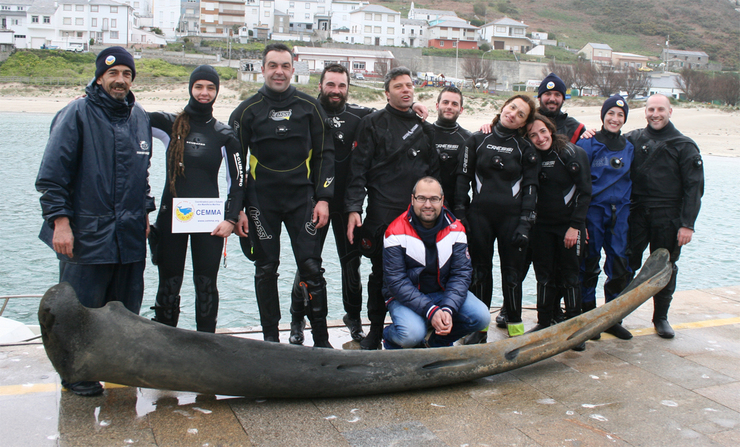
242 225
353 221
224 229
571 237
684 236
63 239
421 110
486 128
588 133
442 322
521 235
148 227
321 213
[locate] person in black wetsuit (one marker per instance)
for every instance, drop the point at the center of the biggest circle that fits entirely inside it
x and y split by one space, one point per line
449 137
196 142
559 236
667 186
290 181
394 149
503 169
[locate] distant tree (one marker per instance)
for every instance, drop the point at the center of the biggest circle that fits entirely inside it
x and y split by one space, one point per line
582 74
695 84
635 82
476 68
382 66
484 47
157 31
607 80
726 88
479 9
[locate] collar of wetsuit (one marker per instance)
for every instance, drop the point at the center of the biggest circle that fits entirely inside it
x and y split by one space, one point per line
613 141
407 114
199 111
668 131
446 125
504 132
277 96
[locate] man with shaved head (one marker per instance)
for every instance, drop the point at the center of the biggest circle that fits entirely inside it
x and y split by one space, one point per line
667 185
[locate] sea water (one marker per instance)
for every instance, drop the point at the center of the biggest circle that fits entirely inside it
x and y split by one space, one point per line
28 266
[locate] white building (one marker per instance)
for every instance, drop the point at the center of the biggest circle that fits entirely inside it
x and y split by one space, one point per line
305 16
375 25
414 33
506 34
166 16
356 60
431 14
340 10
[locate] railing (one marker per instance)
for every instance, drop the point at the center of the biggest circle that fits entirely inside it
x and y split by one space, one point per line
9 297
82 81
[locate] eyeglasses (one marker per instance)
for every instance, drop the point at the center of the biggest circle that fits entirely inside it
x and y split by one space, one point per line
433 200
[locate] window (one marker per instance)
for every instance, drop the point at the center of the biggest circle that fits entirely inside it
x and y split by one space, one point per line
19 36
94 8
308 5
391 30
368 29
454 44
308 15
391 18
291 4
79 21
114 10
94 22
267 13
79 34
368 16
67 21
412 31
327 63
501 29
290 14
368 40
34 19
390 42
20 8
16 21
79 7
441 43
378 17
66 7
47 19
114 34
403 30
358 65
113 23
377 30
136 5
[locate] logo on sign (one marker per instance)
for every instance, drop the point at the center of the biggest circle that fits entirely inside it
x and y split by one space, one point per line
184 211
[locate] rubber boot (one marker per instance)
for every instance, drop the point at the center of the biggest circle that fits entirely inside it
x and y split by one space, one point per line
619 331
587 306
373 338
502 318
296 332
320 334
355 327
545 296
660 315
206 304
515 329
167 304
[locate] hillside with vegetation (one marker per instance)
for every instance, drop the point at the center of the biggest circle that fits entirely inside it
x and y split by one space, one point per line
633 26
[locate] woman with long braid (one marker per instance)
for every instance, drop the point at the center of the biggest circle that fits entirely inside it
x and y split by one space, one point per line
196 142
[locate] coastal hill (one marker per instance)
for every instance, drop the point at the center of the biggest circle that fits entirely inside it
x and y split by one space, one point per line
633 26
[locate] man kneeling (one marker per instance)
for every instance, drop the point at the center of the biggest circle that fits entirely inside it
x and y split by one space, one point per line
427 273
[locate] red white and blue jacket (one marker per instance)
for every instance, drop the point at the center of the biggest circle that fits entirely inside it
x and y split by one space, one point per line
404 258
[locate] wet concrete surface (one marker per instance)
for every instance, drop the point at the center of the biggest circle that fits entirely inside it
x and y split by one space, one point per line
641 392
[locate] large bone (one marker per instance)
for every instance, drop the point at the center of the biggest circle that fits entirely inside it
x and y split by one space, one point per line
114 345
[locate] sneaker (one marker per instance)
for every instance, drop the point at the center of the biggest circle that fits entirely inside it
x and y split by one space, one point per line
355 327
296 332
84 388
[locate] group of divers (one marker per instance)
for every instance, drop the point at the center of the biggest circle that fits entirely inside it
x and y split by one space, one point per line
549 192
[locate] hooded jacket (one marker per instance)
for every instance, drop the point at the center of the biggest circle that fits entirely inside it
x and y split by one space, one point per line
95 171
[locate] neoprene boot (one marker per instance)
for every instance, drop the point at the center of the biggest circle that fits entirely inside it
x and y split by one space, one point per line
355 327
619 331
587 306
206 304
373 338
660 316
320 334
296 332
475 338
167 304
545 297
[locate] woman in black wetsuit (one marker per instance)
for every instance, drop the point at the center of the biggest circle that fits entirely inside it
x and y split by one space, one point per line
558 237
196 142
503 169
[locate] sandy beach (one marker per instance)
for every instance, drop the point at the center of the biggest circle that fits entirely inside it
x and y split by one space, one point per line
717 132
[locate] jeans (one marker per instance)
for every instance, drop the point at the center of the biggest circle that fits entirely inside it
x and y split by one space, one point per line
409 328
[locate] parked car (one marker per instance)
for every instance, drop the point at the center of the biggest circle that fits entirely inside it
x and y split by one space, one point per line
359 76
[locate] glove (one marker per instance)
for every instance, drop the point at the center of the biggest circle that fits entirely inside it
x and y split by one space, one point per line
521 234
460 214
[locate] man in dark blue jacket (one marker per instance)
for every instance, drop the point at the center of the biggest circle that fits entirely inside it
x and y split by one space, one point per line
427 274
95 191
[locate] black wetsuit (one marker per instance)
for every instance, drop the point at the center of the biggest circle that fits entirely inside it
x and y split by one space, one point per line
394 150
449 141
343 127
503 170
565 124
564 194
291 167
667 186
208 142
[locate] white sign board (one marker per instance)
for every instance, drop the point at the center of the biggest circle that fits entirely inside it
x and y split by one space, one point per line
196 215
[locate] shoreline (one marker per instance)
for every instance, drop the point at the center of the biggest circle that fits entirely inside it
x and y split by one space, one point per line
715 131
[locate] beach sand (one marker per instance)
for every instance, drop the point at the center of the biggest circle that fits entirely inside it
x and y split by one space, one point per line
717 132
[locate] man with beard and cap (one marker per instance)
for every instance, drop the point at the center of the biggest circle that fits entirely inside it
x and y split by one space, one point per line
394 149
196 143
667 186
449 136
290 181
610 156
551 95
95 191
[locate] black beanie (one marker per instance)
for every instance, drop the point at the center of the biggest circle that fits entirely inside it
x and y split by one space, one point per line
615 101
203 73
111 57
551 82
